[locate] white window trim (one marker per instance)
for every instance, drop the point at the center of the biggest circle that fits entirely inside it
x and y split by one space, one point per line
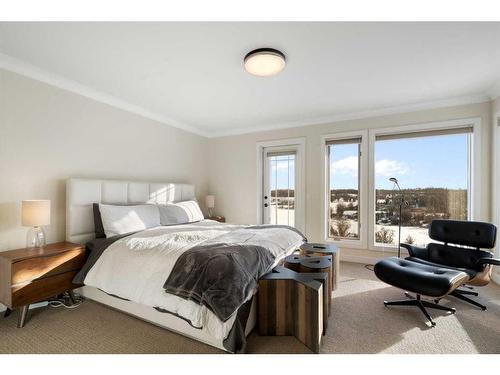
363 188
367 180
300 144
474 158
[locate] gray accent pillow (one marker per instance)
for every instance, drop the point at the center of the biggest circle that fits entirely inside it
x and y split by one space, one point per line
180 213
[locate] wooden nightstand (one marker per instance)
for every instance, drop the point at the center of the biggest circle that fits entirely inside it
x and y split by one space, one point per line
220 219
35 274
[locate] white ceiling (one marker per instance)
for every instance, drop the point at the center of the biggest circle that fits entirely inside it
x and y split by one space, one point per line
191 74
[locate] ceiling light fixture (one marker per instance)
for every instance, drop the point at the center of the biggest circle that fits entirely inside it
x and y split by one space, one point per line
264 62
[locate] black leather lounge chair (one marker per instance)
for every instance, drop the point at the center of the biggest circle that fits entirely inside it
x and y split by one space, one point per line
476 263
439 269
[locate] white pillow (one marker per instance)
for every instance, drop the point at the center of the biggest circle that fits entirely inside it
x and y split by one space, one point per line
126 219
180 213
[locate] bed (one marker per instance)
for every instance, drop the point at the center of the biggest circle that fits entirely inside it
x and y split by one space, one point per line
130 280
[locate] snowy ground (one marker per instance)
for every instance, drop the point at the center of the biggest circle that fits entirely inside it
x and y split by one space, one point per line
285 216
419 235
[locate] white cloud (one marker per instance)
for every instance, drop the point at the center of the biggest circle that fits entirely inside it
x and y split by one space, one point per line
348 165
388 168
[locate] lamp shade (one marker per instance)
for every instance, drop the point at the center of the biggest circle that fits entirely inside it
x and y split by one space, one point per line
210 201
35 213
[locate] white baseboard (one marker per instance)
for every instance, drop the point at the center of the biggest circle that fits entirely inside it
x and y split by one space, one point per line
359 258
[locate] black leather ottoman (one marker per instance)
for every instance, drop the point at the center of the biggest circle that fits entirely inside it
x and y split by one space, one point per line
421 279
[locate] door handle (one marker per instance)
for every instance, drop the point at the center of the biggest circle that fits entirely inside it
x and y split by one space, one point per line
265 204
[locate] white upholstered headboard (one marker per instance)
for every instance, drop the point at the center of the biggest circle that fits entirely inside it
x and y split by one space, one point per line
81 193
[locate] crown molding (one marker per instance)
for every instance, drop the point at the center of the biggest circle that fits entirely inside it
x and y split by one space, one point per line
29 70
385 111
494 90
26 69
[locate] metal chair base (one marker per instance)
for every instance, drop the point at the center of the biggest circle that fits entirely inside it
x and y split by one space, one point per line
461 294
421 304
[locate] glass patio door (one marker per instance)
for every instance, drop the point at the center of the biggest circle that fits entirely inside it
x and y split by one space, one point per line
280 180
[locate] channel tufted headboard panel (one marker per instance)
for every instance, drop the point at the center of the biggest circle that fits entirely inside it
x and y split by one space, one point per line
81 193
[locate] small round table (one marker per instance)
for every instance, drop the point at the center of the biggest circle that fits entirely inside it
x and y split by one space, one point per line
312 249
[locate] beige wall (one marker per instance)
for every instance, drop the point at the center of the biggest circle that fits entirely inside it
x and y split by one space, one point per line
48 135
495 105
233 165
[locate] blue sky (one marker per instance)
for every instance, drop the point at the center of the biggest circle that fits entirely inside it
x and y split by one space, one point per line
285 167
438 161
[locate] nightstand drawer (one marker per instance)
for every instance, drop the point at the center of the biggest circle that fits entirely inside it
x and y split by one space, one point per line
46 266
38 290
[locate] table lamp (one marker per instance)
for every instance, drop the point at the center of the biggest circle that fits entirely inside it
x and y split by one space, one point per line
210 203
35 214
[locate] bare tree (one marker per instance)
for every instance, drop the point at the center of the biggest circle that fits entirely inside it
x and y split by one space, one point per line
340 209
384 235
342 228
409 240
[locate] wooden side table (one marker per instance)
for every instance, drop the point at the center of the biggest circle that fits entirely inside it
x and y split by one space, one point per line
291 304
319 249
32 275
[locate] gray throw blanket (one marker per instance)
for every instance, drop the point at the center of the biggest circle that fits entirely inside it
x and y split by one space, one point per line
223 274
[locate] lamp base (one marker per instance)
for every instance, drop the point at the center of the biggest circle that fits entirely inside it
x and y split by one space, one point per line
36 237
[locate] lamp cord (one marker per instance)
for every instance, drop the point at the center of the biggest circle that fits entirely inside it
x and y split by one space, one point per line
61 302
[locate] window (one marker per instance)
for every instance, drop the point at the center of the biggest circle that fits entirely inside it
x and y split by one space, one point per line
433 172
281 182
281 188
437 168
343 191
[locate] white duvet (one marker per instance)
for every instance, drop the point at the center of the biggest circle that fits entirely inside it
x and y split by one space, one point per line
136 268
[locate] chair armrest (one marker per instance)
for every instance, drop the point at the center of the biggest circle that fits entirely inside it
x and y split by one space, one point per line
492 261
415 251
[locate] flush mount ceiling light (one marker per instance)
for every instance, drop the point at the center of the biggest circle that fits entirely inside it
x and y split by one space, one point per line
264 62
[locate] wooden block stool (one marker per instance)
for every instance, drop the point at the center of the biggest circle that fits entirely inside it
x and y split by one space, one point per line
319 249
303 264
291 304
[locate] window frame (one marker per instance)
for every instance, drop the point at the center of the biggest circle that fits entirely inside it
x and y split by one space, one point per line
298 144
474 165
363 187
367 176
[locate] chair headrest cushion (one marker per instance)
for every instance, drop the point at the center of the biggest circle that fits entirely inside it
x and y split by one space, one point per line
468 233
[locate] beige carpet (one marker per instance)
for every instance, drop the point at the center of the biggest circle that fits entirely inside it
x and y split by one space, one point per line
359 324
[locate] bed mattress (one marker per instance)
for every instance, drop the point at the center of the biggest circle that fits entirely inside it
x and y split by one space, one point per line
135 268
